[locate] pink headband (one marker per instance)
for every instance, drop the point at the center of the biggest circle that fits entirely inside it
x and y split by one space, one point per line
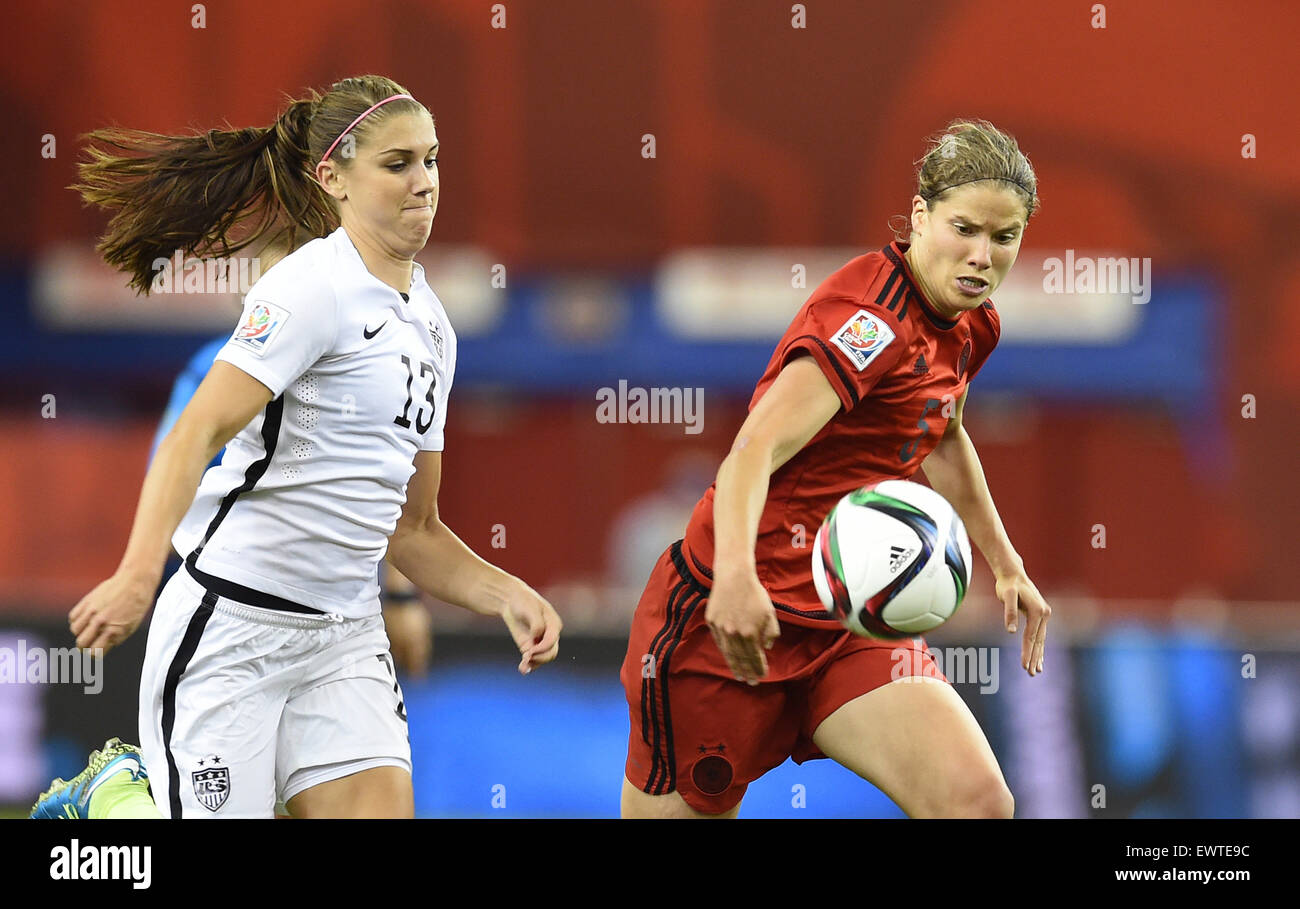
367 112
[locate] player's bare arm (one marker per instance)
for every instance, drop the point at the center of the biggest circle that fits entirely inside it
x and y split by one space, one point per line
225 402
739 612
437 561
954 471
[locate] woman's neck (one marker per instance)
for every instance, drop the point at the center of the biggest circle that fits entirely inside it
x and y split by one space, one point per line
395 272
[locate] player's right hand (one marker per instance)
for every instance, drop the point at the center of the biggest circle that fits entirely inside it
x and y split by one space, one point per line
534 624
743 622
109 614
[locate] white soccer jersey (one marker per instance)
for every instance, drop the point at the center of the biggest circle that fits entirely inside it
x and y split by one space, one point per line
299 511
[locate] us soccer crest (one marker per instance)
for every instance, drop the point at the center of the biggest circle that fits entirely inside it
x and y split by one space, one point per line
211 784
436 333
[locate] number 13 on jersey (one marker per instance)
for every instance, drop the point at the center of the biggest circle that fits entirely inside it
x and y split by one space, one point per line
421 424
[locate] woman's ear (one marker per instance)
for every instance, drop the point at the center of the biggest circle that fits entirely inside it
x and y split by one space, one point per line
331 180
920 215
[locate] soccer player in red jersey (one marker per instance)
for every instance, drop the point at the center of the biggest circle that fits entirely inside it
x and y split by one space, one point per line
733 665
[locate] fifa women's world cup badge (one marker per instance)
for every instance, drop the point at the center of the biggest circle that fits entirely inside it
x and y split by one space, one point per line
862 338
261 325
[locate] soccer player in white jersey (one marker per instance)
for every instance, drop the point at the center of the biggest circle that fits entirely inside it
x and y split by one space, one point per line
267 673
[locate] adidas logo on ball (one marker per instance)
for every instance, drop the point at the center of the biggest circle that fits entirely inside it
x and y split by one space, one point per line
892 560
897 556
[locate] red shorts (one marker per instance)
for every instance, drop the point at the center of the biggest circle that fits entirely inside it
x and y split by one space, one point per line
698 731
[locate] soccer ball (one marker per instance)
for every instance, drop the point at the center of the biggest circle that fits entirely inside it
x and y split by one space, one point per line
892 560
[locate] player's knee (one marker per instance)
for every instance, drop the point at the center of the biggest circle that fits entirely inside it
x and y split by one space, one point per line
987 797
999 803
982 795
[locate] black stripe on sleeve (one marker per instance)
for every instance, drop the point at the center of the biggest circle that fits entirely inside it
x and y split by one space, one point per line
839 370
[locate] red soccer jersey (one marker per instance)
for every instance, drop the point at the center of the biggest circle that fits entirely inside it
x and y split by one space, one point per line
898 368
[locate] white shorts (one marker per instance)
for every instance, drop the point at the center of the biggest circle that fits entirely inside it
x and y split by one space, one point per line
241 707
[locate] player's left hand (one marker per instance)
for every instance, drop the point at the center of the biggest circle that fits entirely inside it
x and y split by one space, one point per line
535 626
1018 594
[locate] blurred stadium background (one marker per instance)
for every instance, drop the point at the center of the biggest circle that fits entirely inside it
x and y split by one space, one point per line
1173 667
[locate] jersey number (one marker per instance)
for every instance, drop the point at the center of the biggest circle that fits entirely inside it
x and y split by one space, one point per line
421 425
909 448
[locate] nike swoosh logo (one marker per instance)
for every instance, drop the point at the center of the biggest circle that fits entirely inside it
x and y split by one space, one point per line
370 334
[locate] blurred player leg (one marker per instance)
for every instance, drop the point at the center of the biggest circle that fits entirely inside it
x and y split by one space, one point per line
917 742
